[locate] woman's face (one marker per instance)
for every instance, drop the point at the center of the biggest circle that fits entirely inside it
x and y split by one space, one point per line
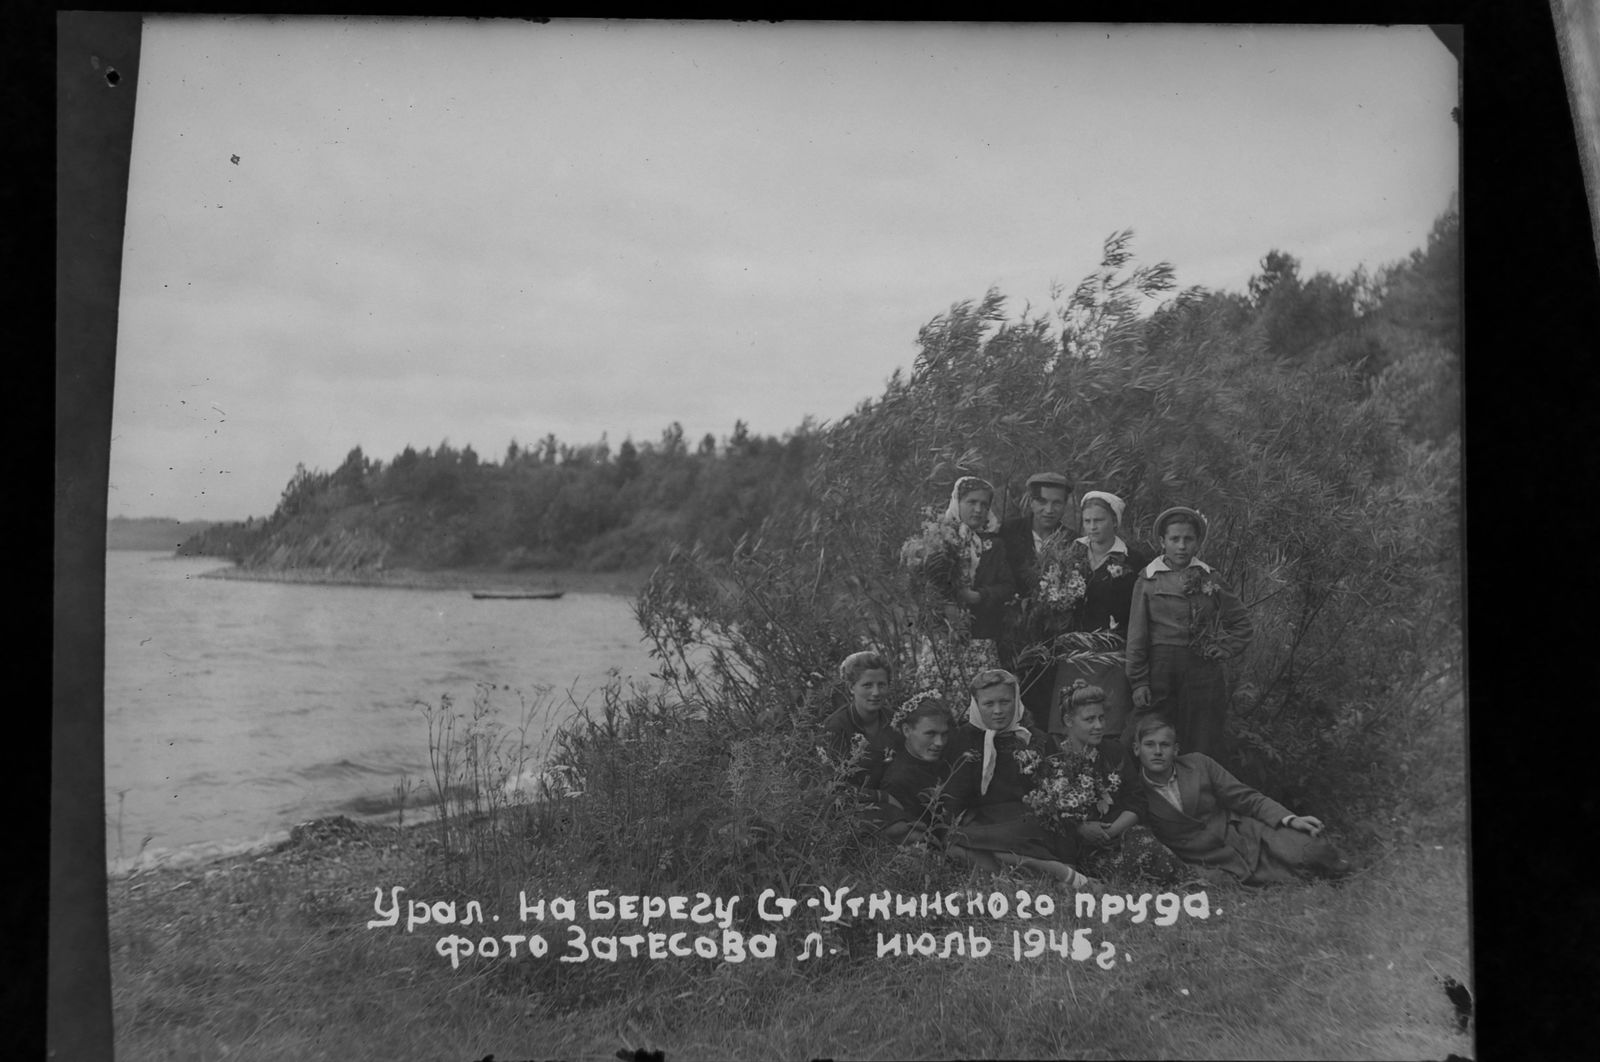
995 705
869 691
925 739
1088 724
1179 544
1099 526
1157 752
974 509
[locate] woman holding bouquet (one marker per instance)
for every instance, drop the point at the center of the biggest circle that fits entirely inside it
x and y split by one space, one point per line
962 564
1209 818
1182 624
974 577
996 758
1112 567
1090 793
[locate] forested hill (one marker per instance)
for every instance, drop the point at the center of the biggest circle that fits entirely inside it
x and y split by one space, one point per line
551 505
1387 344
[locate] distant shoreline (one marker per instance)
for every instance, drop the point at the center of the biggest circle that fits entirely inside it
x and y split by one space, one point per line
626 583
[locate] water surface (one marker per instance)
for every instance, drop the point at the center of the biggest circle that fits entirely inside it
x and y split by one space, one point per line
235 709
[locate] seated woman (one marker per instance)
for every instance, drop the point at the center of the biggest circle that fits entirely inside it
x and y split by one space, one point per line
1111 844
995 758
1210 819
859 734
916 779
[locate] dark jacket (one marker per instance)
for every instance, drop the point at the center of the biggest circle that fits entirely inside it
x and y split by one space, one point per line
1110 758
1224 823
1109 596
1017 534
908 780
1009 783
839 731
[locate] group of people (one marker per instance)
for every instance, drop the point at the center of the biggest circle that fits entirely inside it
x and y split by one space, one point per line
1067 760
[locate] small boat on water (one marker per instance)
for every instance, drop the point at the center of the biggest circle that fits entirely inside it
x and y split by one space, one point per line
517 595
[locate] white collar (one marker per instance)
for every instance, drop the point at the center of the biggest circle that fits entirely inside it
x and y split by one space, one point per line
1117 545
1160 565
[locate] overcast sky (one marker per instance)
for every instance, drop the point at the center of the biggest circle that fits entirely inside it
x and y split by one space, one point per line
383 233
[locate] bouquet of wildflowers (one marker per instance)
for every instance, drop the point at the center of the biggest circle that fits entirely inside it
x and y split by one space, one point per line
1063 577
942 549
936 539
1068 790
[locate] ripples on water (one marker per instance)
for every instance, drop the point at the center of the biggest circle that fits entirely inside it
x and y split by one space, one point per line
235 709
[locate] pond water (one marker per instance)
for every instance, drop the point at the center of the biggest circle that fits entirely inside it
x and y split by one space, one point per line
235 709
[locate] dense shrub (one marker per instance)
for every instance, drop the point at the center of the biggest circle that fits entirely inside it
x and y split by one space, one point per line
1332 489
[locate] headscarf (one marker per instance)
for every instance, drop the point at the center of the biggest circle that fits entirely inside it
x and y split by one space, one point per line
971 544
1116 503
975 717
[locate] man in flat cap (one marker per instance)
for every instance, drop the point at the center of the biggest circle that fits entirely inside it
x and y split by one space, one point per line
1025 538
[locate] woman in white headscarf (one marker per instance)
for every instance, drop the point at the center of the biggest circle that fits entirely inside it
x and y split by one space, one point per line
974 576
997 759
1114 565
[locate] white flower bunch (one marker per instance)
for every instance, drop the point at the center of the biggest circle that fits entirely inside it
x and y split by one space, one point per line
1069 791
936 537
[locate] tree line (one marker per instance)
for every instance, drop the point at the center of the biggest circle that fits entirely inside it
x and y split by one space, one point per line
546 505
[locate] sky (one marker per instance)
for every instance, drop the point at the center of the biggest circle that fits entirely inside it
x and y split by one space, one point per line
383 233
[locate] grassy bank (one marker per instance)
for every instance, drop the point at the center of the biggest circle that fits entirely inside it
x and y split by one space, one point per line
626 583
271 958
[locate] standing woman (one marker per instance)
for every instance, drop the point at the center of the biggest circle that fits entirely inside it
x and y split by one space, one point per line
981 582
1113 569
1183 623
961 563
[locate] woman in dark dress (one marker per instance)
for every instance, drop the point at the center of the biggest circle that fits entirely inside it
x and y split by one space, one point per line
858 735
1110 844
1113 566
915 780
996 758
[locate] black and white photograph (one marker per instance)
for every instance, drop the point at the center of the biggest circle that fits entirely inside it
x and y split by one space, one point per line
599 514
